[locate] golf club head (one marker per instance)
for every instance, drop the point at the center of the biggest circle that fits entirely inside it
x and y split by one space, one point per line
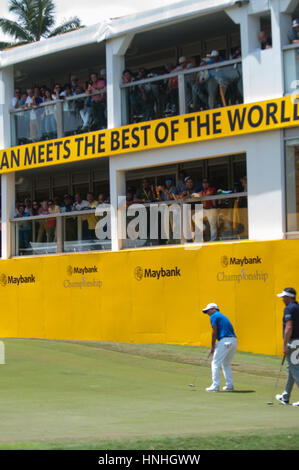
270 403
191 385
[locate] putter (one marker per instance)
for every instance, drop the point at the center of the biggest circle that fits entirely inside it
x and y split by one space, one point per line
198 373
277 379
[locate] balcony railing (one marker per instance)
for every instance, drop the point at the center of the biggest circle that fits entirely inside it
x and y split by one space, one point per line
291 68
57 233
223 217
189 90
59 118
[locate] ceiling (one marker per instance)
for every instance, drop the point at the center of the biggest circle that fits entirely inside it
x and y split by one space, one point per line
178 34
60 65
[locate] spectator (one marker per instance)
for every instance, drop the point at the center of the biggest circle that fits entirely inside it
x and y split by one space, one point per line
190 188
67 205
24 228
295 31
33 124
150 92
137 97
200 90
48 116
168 191
57 90
57 200
35 208
209 210
92 220
79 203
265 41
28 206
101 198
69 110
43 89
23 99
144 193
98 100
129 197
16 99
181 186
51 223
37 100
42 226
18 203
76 88
214 78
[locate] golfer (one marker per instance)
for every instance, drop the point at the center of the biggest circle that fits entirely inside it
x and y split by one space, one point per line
223 351
290 342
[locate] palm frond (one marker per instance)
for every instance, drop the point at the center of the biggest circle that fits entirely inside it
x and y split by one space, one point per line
9 45
67 26
15 30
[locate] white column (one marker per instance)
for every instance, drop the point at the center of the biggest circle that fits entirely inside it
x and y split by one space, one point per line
115 64
262 69
7 180
117 188
266 186
7 210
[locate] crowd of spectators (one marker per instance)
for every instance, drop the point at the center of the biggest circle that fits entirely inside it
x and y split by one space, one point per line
80 115
204 89
185 189
217 225
45 230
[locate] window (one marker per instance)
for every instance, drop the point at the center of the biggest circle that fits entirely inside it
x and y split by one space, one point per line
292 185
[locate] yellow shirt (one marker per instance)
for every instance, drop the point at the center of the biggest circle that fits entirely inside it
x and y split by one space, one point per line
92 220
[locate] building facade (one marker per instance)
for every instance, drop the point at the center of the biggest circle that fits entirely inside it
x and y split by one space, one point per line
213 101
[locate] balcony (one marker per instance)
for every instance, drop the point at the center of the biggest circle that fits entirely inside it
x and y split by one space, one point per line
190 90
58 118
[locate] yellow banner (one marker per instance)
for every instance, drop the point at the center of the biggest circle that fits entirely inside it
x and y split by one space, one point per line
177 130
151 295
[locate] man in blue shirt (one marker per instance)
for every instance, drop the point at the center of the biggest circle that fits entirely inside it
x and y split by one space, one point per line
290 328
222 351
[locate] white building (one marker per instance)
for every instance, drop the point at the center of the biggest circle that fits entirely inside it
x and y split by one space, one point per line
266 152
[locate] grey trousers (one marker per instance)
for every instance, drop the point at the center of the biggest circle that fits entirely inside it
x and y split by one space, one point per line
292 368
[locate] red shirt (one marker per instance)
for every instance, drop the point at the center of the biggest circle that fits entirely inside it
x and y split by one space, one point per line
98 86
208 192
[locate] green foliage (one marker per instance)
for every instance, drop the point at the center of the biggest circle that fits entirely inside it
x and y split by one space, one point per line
35 19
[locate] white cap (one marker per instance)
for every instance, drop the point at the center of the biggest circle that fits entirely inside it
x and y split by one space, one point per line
182 59
284 293
214 54
209 306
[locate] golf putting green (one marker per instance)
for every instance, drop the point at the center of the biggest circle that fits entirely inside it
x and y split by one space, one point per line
57 394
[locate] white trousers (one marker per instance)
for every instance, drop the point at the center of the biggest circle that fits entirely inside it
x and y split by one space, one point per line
224 352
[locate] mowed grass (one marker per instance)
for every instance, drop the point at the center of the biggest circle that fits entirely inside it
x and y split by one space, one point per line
93 395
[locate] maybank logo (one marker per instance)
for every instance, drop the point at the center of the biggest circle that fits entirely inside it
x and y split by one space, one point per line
81 270
16 280
157 274
226 261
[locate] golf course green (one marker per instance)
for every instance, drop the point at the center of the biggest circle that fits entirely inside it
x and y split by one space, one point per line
94 395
